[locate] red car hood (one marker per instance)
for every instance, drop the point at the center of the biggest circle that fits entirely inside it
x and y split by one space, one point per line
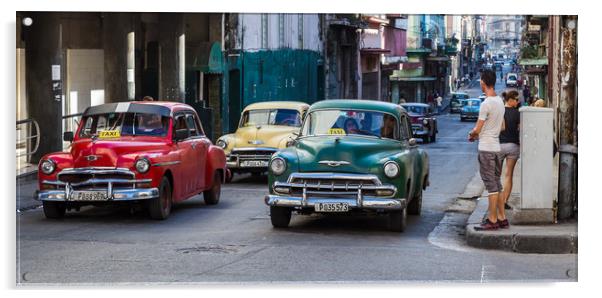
110 153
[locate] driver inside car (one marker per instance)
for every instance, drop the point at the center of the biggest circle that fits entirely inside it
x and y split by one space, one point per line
351 126
150 123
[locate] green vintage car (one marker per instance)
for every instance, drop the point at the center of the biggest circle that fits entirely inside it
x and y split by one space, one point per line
350 156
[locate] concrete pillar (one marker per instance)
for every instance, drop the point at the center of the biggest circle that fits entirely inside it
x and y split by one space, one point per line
118 44
131 66
172 63
536 136
567 183
44 78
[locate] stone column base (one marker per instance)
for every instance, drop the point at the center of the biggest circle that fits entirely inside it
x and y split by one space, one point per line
531 216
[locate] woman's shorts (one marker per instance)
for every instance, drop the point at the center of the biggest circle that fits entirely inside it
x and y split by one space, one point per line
509 150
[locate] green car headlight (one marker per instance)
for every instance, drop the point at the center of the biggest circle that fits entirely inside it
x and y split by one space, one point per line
278 166
391 169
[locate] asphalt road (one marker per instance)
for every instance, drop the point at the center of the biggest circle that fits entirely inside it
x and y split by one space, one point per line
235 242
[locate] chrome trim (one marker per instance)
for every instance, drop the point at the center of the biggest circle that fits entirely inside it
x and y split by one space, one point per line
334 190
96 181
331 175
243 149
95 170
255 142
333 163
372 203
117 195
167 163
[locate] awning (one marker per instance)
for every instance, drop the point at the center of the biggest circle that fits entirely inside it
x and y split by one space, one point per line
534 62
205 57
394 59
438 58
374 51
418 51
412 79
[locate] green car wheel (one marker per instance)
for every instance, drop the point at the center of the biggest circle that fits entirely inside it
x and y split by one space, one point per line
398 220
280 216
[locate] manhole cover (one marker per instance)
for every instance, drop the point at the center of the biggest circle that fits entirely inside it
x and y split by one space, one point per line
211 248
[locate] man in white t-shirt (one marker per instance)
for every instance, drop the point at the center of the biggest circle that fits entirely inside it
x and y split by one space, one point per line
487 131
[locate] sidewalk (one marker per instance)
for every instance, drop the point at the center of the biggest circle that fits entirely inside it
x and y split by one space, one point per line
560 238
25 188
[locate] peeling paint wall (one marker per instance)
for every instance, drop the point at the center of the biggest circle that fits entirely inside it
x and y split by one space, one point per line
274 31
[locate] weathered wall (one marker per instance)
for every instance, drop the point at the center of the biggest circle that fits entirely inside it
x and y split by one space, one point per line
281 75
294 31
85 73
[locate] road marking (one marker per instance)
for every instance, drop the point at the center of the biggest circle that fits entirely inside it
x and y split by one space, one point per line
485 271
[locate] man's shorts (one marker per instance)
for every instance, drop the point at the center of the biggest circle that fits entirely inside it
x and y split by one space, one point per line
490 166
509 151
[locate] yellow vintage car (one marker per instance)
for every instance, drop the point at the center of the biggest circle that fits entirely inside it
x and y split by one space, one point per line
264 128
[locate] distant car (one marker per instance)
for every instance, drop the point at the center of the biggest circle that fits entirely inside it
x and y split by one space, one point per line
424 123
149 154
264 128
456 98
511 80
470 109
482 96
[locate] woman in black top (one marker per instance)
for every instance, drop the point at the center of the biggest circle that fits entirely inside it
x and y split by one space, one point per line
509 140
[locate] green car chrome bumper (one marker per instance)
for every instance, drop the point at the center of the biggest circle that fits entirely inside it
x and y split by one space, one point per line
358 191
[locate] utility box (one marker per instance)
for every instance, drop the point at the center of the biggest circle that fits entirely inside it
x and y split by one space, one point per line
536 153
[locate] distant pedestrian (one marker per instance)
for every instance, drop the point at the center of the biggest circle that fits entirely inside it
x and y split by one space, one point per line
148 98
501 75
439 100
509 145
487 131
526 93
402 98
430 99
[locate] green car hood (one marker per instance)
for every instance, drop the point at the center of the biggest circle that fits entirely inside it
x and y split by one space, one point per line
364 154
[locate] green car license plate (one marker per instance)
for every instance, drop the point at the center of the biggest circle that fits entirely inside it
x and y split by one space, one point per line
89 196
331 207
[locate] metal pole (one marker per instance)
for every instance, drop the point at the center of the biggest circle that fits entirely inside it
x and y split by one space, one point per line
567 176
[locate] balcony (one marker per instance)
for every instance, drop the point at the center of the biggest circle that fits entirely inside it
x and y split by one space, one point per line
372 39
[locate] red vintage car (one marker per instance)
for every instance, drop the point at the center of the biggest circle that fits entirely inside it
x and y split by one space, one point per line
151 154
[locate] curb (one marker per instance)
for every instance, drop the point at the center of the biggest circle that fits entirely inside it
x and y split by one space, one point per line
541 239
474 188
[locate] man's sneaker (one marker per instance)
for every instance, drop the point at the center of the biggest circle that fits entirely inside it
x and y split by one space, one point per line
487 225
504 224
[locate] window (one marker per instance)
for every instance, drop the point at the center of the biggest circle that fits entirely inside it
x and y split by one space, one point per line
193 129
351 122
180 124
284 117
133 124
405 130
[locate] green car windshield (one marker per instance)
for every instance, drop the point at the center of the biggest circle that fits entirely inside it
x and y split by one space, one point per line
351 122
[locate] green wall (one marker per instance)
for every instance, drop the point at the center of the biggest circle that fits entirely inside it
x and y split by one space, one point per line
284 74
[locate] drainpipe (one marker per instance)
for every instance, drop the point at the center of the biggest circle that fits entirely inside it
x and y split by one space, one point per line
567 176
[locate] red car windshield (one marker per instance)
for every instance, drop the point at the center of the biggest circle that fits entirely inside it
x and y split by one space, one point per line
130 124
